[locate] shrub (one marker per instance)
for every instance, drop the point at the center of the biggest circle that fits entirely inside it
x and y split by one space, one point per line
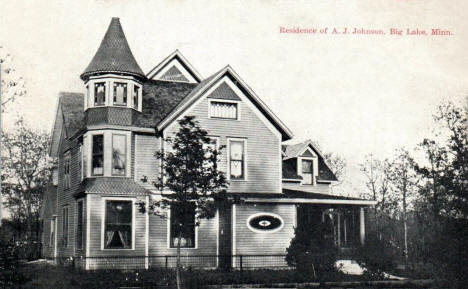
310 252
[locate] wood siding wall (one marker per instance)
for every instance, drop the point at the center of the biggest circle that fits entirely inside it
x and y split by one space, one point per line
318 188
146 163
247 242
263 146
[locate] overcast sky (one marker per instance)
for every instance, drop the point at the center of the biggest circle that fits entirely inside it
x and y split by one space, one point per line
353 94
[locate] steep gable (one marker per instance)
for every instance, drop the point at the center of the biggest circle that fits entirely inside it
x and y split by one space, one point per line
175 68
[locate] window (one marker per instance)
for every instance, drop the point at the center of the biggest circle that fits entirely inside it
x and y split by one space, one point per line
80 164
52 232
236 160
99 93
307 172
223 110
136 92
118 225
98 155
182 223
84 154
119 154
65 226
120 93
79 225
66 171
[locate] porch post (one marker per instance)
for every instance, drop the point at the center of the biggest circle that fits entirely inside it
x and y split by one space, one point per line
362 226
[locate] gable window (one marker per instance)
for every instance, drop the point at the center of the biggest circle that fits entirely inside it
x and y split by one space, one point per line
119 154
136 92
99 93
120 93
220 109
65 226
79 225
237 159
98 155
66 171
307 172
182 223
118 224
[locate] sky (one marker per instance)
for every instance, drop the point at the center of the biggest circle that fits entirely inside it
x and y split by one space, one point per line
354 94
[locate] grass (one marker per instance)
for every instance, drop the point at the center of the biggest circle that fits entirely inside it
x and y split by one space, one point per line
45 276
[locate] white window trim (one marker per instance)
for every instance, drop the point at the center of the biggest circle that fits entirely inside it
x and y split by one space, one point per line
229 139
238 113
82 225
169 234
266 231
107 152
103 222
126 153
314 160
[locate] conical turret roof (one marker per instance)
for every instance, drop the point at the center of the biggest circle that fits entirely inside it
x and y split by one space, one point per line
114 54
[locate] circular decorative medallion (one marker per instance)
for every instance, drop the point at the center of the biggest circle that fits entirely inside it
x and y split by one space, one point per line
265 223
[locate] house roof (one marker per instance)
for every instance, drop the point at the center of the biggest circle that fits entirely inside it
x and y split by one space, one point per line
290 171
181 59
111 185
209 82
114 54
72 105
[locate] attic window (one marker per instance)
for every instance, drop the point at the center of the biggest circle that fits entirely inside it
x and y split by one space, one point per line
99 93
307 171
226 110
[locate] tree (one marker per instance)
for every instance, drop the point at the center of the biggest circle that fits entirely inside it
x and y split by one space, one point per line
26 171
337 165
12 86
190 175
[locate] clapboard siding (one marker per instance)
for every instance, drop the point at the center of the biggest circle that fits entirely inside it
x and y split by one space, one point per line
146 164
247 242
263 146
48 212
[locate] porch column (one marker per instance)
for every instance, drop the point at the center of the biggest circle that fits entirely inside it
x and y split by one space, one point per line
362 226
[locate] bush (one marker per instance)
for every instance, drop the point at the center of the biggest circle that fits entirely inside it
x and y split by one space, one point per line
310 252
9 264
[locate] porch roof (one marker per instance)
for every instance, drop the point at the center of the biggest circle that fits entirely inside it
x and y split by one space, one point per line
110 185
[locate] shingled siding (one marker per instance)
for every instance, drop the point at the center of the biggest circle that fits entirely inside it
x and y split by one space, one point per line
146 163
247 242
111 115
263 147
207 243
96 211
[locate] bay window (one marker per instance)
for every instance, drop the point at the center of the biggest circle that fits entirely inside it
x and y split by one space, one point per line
120 93
136 92
182 224
119 154
118 233
237 159
99 93
98 155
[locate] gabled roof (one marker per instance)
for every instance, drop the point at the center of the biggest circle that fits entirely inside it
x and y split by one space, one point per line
209 82
114 54
176 55
68 119
295 150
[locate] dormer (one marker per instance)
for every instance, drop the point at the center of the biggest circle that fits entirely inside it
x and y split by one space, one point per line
113 78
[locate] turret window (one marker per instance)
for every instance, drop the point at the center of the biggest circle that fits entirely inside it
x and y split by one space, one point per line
120 93
119 155
99 93
136 92
98 155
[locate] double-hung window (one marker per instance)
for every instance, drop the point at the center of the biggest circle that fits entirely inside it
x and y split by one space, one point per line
219 109
182 224
84 154
98 155
66 170
118 232
120 93
307 172
119 154
237 159
65 226
79 225
136 92
99 93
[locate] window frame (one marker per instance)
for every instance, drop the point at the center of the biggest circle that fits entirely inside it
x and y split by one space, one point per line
125 96
103 223
95 85
125 155
245 159
103 154
78 202
66 170
65 225
169 243
217 100
314 160
312 171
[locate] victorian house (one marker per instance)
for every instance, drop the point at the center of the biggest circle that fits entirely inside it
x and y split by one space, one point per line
105 140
